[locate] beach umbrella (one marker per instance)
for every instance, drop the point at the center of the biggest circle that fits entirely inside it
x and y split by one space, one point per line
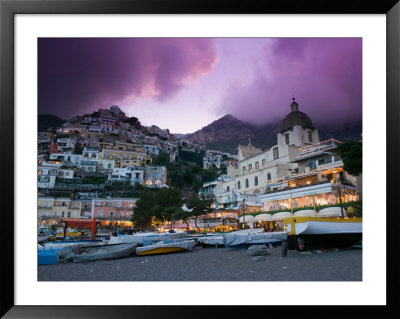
330 212
247 219
281 215
263 218
304 212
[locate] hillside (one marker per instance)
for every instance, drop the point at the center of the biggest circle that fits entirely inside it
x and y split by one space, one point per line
227 132
46 121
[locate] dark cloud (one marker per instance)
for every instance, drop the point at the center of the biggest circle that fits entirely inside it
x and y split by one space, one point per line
78 75
324 74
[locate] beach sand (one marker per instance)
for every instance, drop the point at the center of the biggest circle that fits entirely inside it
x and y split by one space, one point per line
215 264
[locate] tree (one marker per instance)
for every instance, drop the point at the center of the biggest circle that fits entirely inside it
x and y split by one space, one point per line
143 212
351 154
168 203
200 205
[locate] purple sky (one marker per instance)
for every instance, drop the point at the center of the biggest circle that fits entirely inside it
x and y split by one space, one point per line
186 83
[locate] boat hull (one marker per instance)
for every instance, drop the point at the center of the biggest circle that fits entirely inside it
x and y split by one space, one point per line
161 250
321 233
104 252
246 245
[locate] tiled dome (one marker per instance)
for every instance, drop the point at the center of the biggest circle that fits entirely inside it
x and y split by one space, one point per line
295 118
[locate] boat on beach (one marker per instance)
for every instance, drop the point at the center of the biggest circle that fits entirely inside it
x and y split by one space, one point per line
211 241
309 233
245 238
140 238
80 253
67 243
166 247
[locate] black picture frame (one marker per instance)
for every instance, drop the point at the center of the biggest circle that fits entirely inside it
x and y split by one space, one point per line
8 8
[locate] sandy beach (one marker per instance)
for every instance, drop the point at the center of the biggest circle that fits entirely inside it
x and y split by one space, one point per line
215 264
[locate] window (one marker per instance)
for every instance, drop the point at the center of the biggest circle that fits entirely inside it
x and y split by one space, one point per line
244 169
247 182
46 213
256 180
263 163
276 153
250 167
55 213
238 185
287 138
268 176
111 214
100 213
118 204
62 214
69 214
227 188
321 161
310 136
74 214
310 164
137 175
257 165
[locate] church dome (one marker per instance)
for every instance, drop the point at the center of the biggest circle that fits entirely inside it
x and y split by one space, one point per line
295 118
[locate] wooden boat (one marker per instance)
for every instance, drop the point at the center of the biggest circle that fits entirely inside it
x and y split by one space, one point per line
308 233
92 253
166 247
242 239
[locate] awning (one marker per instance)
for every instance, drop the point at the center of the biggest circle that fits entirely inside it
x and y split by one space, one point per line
304 212
246 219
263 218
281 215
78 223
331 212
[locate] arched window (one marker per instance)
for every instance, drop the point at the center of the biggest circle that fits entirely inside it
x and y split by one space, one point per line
256 180
287 138
269 176
247 182
238 185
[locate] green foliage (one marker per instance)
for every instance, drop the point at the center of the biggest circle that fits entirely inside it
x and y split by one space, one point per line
191 157
164 204
199 205
168 202
351 154
355 209
143 212
96 180
78 150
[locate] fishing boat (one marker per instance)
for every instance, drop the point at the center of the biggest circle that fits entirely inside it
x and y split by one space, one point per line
166 247
308 233
79 253
245 238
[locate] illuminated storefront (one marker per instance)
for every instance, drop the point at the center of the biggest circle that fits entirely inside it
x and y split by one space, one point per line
318 195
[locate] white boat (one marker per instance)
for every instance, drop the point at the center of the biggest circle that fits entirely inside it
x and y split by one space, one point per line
141 238
318 233
242 239
68 243
92 253
211 241
166 247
